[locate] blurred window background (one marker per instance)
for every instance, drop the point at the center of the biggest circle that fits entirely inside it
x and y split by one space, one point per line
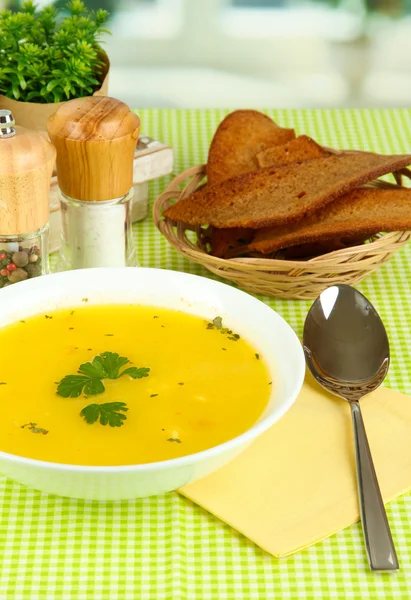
258 53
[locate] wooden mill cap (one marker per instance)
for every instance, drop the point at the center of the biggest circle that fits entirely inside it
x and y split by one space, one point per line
95 139
26 165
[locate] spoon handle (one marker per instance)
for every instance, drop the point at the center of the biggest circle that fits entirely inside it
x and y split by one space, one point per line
380 547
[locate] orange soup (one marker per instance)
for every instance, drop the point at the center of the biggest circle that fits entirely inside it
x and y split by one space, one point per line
125 384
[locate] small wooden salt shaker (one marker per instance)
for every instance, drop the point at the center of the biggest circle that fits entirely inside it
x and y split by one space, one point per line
26 166
95 138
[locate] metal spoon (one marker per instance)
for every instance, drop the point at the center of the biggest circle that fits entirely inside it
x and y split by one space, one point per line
347 351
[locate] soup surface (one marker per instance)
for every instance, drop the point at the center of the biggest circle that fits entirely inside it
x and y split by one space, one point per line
189 385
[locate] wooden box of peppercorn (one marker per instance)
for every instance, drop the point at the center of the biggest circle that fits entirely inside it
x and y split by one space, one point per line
152 159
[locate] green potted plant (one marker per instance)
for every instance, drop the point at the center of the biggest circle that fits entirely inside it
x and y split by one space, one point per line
47 58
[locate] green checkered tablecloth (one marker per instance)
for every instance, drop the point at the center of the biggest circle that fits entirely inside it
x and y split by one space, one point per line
165 547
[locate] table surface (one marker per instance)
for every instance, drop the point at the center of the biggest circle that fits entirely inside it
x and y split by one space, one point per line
166 547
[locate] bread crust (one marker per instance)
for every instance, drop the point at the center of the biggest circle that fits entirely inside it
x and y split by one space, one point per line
285 194
225 241
297 150
238 140
357 214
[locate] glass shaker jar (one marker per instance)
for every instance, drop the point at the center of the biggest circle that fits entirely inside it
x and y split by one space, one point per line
26 166
95 138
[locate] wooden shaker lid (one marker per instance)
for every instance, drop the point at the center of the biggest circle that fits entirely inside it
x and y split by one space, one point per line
26 165
95 138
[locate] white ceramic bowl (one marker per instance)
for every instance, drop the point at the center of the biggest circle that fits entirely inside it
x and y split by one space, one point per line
254 320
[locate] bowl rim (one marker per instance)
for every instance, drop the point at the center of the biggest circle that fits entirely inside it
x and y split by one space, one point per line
250 434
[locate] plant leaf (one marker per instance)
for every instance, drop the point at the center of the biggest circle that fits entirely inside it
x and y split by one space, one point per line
112 363
94 387
136 373
106 365
91 413
109 413
218 322
71 386
94 369
22 81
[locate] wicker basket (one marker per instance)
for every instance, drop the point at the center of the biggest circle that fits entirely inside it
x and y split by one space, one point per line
300 279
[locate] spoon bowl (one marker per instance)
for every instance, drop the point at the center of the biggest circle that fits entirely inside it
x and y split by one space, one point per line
345 343
347 351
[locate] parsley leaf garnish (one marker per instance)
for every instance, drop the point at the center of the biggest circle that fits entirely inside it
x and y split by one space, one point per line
71 386
111 363
106 365
34 429
217 323
94 369
136 372
109 413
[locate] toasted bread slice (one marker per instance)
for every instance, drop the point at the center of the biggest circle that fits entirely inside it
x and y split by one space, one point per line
238 140
358 213
312 249
297 150
279 195
224 241
297 252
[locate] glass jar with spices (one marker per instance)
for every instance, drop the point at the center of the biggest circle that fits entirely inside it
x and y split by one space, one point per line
26 165
95 139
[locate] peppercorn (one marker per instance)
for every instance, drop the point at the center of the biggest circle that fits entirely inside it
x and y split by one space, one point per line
20 259
33 269
18 275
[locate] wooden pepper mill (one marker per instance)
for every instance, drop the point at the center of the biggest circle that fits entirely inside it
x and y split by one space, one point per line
95 139
26 165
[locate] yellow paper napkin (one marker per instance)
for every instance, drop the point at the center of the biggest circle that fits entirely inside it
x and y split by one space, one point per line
296 484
